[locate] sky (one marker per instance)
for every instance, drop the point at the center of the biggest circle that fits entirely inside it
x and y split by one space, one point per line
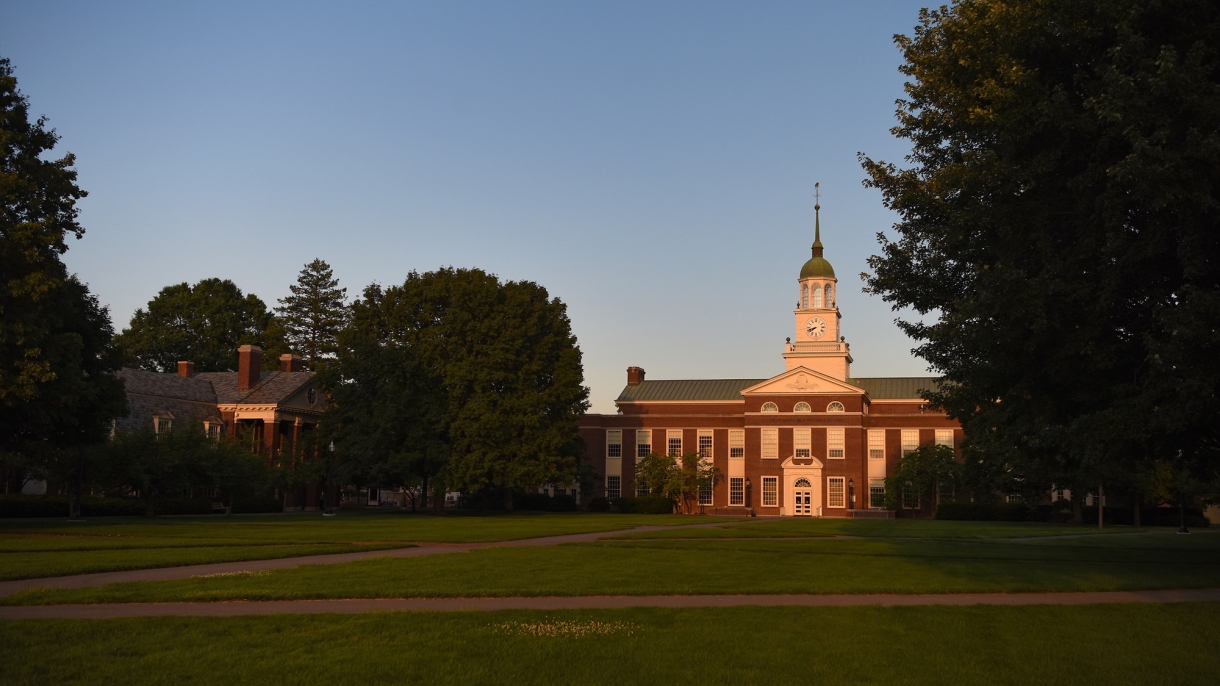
651 164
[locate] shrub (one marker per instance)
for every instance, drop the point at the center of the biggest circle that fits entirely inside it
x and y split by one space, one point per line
648 504
94 506
989 512
257 505
543 502
599 505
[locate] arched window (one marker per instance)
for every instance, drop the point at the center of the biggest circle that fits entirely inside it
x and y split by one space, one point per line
836 406
770 407
802 407
817 296
805 297
830 296
802 483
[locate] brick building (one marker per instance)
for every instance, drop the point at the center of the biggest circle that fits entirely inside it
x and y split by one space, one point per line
812 441
275 409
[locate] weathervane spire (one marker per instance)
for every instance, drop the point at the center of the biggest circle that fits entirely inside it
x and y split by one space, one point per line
817 220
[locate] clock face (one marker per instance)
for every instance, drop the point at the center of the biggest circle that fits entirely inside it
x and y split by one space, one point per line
815 327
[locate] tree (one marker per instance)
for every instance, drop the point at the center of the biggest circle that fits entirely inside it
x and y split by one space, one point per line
58 390
1057 231
314 314
205 324
921 472
679 479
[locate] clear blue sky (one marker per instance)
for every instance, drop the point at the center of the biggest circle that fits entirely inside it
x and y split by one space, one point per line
651 164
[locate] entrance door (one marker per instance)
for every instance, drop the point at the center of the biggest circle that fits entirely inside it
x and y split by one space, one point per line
802 497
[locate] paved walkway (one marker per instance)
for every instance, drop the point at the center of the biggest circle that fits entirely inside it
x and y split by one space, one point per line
355 606
170 573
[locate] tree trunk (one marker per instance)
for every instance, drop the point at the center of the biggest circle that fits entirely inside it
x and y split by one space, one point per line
148 505
229 507
77 487
1077 507
1182 512
423 496
1101 506
508 500
1135 514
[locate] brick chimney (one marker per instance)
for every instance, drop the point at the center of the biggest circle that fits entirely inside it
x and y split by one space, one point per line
635 376
291 363
249 366
186 369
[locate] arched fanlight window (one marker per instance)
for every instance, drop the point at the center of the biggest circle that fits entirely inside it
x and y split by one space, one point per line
817 296
805 297
830 296
802 407
836 406
770 407
802 483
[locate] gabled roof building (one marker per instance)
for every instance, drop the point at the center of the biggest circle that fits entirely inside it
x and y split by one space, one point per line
812 441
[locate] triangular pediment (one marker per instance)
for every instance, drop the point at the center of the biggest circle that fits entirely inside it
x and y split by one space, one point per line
802 381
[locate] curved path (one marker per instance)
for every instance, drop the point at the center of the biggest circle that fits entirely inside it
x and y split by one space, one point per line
356 606
170 573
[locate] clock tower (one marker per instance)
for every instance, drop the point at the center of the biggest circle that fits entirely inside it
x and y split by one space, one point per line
818 345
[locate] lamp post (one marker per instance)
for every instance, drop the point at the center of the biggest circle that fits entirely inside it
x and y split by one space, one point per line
851 494
747 494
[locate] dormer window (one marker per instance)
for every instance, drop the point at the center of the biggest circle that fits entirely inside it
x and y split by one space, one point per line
836 406
802 407
163 425
770 407
312 396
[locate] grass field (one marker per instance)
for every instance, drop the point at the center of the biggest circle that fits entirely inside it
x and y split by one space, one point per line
1100 644
32 548
749 565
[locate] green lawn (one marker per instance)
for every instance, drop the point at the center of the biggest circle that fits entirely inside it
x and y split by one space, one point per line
892 528
647 567
31 548
1100 644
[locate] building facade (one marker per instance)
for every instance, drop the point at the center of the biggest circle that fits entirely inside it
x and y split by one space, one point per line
812 441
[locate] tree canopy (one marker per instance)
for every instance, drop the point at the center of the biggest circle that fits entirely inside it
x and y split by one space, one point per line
1058 230
314 314
205 324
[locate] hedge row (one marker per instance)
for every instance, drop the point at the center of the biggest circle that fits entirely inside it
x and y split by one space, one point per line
1020 512
544 503
648 504
13 506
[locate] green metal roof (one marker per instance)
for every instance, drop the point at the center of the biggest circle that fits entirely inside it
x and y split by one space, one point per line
896 387
817 268
688 389
878 388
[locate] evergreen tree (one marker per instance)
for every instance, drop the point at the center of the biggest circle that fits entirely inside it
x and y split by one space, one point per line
314 314
205 324
1058 227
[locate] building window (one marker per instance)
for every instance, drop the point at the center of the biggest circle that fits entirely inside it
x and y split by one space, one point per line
817 296
876 493
770 444
876 444
163 425
674 440
737 444
641 487
737 491
834 443
1016 498
801 441
614 486
944 493
705 444
770 407
705 494
836 406
643 444
802 407
805 297
836 492
910 497
910 440
770 494
614 443
830 296
215 429
944 437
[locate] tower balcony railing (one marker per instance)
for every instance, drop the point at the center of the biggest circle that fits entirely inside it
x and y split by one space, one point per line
816 347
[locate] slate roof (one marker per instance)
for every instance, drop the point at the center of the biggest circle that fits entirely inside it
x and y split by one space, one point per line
692 389
167 385
273 387
896 387
878 388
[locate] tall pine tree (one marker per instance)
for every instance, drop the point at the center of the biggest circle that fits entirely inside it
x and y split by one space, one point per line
314 314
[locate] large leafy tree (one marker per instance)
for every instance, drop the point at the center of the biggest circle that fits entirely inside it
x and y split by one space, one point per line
475 381
314 314
1059 231
58 391
205 324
